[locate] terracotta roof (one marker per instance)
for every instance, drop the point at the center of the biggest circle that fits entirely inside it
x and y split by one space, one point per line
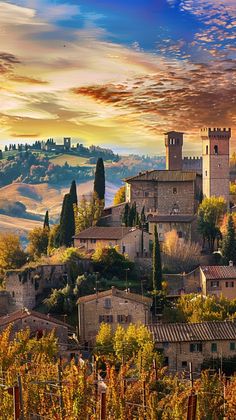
104 232
116 292
164 176
25 313
171 218
212 272
204 331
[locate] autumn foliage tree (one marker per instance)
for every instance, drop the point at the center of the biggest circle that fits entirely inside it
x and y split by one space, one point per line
12 254
119 195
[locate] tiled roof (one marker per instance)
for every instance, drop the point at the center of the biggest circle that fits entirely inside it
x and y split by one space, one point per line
100 232
25 313
171 218
116 292
164 176
204 331
213 272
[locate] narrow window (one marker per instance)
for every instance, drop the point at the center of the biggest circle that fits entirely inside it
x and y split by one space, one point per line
206 150
232 346
174 190
214 347
216 149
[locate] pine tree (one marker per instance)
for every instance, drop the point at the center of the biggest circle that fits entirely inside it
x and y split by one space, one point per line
73 193
156 263
229 242
46 221
67 224
99 180
125 216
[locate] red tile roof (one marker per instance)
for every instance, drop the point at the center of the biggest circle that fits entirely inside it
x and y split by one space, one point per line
213 272
25 313
179 218
116 292
204 331
164 176
100 232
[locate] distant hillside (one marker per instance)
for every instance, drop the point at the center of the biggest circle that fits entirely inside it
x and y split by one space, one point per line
41 197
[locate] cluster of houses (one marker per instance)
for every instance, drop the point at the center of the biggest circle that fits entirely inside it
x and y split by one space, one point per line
171 198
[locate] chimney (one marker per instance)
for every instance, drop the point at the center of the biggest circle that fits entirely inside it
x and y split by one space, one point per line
231 263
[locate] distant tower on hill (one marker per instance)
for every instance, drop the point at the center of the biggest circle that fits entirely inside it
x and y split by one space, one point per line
174 144
215 154
67 143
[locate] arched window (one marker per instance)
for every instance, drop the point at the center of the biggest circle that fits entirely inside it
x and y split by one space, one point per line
216 149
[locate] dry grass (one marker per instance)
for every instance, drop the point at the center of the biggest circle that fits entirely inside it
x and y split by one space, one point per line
70 159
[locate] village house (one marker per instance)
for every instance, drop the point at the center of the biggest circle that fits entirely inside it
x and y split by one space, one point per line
129 240
218 280
115 307
38 324
185 226
182 343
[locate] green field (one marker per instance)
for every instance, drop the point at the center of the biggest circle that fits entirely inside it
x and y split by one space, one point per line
70 159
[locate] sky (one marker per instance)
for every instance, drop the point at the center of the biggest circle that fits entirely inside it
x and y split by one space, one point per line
117 73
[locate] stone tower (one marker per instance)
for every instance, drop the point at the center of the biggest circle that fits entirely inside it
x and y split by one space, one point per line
215 168
67 143
174 144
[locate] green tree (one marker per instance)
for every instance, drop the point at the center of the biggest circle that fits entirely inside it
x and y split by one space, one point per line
125 215
110 262
54 238
210 213
73 193
119 196
228 246
67 225
38 242
88 212
156 263
46 221
12 254
132 215
99 180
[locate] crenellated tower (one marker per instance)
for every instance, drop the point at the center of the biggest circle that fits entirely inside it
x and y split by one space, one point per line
215 154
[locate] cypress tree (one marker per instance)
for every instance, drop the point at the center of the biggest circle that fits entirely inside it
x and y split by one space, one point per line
156 263
132 215
67 224
99 180
229 242
46 221
73 193
125 217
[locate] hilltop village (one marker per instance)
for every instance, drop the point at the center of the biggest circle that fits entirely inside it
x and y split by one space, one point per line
161 258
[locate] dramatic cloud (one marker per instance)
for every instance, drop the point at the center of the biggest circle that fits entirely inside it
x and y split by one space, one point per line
64 72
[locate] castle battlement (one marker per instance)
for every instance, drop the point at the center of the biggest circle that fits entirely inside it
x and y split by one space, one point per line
223 132
191 158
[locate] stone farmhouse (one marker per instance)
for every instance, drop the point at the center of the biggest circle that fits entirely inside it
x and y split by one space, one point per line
218 280
182 343
131 241
38 324
115 307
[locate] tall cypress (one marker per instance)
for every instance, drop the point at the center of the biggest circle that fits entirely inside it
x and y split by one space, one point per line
73 193
99 180
156 263
125 216
67 224
228 247
46 221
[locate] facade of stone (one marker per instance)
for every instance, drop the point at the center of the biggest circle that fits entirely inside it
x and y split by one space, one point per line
165 192
185 226
115 307
128 240
215 152
218 281
183 343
